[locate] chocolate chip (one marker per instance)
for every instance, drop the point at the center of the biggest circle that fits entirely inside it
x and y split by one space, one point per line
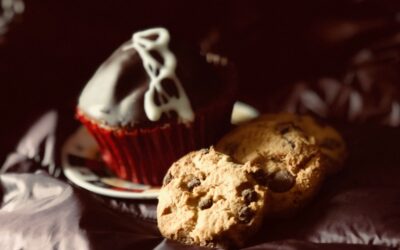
249 195
193 183
305 162
281 181
166 210
192 201
283 130
330 143
291 143
167 179
245 214
205 203
276 158
286 127
260 177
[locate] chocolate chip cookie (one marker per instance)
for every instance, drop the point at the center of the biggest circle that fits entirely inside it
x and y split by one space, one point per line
329 141
209 200
290 160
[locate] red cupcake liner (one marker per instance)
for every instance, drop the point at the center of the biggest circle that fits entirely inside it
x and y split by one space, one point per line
143 155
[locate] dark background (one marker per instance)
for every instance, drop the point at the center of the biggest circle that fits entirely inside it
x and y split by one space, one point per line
54 47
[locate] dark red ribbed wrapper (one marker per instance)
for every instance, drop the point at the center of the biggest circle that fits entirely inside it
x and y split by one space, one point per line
143 155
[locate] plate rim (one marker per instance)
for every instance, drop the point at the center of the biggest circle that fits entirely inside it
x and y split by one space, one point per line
70 174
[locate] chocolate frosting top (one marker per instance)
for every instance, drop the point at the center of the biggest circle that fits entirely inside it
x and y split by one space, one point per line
150 81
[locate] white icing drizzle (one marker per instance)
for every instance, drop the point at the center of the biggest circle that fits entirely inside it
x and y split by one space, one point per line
98 98
157 72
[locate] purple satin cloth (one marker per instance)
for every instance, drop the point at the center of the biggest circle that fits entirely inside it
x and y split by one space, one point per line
41 212
356 209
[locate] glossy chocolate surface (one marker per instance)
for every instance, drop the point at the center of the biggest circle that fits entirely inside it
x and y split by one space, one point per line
126 74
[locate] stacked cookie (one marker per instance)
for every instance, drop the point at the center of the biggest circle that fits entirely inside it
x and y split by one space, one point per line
271 166
295 152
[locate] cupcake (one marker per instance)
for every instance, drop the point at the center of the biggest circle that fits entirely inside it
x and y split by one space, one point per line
152 101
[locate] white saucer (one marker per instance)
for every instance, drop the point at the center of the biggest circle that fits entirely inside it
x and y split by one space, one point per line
83 167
